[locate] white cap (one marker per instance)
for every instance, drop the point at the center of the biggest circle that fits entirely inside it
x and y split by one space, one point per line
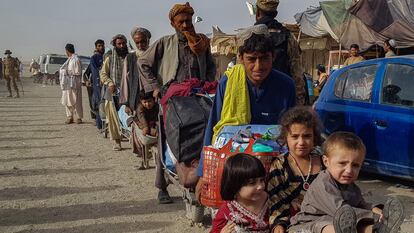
392 43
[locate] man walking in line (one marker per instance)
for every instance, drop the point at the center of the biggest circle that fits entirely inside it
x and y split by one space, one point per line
95 81
71 84
111 75
176 58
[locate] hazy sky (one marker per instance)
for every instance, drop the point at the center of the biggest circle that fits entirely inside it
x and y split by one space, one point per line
32 27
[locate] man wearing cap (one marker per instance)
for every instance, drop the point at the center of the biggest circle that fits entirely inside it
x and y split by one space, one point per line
71 84
389 48
111 75
287 50
175 58
251 92
11 73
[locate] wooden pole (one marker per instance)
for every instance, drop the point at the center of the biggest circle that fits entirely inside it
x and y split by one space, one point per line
340 54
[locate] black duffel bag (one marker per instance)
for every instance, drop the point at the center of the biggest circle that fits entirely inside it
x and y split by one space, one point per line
186 120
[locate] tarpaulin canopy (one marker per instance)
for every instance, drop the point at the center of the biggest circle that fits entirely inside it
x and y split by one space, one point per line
392 19
348 28
313 23
364 22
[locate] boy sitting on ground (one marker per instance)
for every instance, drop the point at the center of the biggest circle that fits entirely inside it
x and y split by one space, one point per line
334 203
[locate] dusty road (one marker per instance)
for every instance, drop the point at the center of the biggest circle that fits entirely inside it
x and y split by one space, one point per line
65 178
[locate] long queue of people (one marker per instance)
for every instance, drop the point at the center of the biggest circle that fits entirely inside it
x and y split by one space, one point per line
303 191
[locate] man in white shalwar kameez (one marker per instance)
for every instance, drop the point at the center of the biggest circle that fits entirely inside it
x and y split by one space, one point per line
71 84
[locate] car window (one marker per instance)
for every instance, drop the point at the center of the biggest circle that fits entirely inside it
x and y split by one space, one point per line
339 84
359 82
57 60
398 85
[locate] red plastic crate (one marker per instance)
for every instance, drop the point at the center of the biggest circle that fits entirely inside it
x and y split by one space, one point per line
214 161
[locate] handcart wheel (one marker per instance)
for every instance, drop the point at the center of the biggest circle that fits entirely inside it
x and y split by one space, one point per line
198 214
194 212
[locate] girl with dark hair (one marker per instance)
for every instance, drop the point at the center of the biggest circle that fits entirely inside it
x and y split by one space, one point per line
243 189
292 173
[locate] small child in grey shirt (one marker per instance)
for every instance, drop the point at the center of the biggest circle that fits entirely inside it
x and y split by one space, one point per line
334 203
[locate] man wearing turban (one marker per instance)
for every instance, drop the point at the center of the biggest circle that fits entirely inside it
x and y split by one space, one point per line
111 74
183 55
176 58
287 50
132 85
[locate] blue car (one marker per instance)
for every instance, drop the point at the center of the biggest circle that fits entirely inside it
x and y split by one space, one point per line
375 100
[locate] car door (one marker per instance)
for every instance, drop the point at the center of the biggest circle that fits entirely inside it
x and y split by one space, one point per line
347 105
393 121
329 105
42 61
357 102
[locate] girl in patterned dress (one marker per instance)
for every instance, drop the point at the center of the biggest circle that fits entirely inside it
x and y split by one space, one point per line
243 189
292 173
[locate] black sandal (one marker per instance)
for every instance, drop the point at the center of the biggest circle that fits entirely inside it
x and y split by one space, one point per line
393 216
164 197
345 220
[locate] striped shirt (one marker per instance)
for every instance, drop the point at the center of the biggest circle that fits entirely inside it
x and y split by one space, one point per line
285 190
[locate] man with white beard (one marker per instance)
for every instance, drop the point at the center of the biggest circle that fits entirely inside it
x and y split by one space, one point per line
131 84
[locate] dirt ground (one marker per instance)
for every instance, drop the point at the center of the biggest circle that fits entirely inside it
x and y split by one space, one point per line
65 178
